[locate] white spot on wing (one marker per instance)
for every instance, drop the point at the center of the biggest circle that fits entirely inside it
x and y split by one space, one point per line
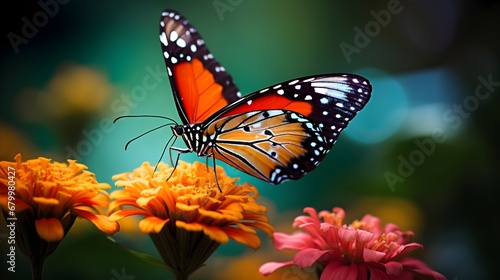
330 92
173 35
163 39
181 43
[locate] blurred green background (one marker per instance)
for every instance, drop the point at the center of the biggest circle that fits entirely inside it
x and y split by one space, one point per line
423 154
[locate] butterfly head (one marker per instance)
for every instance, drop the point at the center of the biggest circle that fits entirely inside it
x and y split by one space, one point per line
178 130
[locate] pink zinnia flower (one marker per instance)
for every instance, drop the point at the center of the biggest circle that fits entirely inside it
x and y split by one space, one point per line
361 250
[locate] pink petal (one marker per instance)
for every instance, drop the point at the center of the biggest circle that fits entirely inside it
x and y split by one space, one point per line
316 234
405 249
372 255
393 268
308 257
330 235
364 236
312 218
347 235
270 267
312 212
373 225
378 273
338 271
421 268
297 241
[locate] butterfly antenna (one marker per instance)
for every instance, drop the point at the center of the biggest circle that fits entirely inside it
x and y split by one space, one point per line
145 116
173 122
149 131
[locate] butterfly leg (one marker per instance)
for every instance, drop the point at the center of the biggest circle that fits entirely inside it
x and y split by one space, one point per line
179 152
211 155
215 172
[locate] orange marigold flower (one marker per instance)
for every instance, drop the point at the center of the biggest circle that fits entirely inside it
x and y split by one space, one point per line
186 215
43 199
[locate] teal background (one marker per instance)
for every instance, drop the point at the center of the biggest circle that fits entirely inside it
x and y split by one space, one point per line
425 65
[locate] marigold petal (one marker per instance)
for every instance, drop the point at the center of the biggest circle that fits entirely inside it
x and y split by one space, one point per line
152 224
189 226
46 201
245 228
248 239
125 213
264 226
144 201
221 215
270 267
102 222
50 230
215 233
185 207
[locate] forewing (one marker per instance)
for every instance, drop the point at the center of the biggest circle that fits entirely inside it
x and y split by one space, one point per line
200 85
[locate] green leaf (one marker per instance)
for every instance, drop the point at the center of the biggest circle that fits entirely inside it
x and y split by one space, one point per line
143 256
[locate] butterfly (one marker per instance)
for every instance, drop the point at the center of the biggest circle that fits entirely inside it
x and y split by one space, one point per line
276 134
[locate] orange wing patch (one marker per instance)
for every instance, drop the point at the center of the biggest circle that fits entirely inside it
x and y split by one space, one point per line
261 142
272 102
200 94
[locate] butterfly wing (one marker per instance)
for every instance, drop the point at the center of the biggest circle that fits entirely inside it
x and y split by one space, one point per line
284 131
279 133
329 101
273 145
200 85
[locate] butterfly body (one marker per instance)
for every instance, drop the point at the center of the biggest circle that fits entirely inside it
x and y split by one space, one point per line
276 134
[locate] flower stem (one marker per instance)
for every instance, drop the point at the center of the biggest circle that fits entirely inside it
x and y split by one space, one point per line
37 269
